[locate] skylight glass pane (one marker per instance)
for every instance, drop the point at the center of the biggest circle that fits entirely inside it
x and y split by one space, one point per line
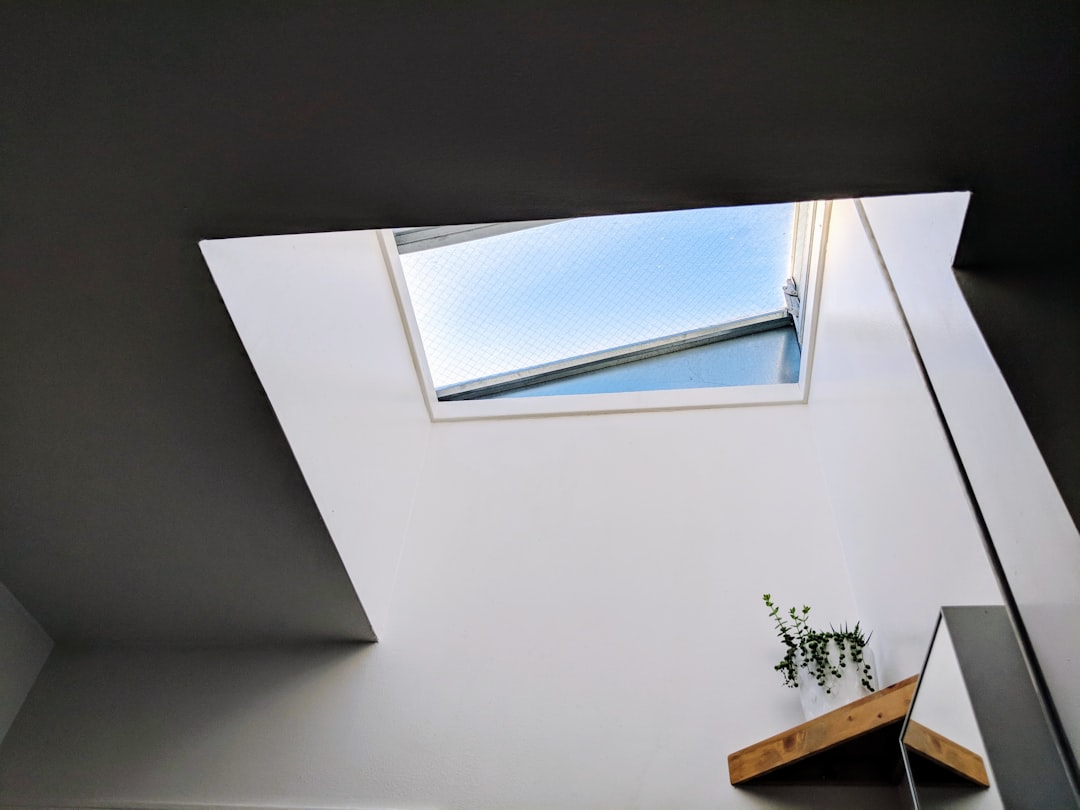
516 300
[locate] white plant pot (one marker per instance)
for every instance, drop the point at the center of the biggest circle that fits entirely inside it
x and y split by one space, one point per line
816 701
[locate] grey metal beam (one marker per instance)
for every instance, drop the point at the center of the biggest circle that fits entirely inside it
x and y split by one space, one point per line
572 366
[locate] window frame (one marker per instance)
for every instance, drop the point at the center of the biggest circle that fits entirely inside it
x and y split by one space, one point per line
808 251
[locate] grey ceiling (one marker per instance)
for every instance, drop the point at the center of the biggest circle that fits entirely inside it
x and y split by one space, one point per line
146 490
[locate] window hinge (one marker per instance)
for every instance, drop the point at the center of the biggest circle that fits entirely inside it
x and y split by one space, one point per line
793 298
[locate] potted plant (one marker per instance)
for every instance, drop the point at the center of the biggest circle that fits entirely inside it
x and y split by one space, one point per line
830 668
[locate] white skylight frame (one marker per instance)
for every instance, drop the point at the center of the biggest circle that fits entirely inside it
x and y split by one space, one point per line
811 228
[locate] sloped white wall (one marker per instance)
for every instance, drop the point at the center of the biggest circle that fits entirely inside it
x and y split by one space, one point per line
317 317
24 646
909 537
575 621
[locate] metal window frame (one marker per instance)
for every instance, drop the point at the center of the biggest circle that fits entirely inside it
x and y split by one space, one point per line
412 240
806 214
806 258
594 361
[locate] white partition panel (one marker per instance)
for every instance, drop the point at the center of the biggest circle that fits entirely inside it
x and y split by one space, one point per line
1032 531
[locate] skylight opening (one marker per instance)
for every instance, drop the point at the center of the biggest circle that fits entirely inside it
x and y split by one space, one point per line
677 299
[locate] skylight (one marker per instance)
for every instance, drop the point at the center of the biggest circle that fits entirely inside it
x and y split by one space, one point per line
515 304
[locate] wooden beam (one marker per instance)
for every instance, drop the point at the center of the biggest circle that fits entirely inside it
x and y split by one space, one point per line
950 755
863 716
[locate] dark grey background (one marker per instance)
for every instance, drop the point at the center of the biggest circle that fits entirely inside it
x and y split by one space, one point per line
147 492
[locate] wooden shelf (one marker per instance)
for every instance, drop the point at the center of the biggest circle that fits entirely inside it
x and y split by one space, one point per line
855 744
952 762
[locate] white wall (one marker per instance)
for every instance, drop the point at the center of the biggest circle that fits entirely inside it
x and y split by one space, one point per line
328 727
1032 531
576 624
317 317
909 537
24 646
569 607
576 620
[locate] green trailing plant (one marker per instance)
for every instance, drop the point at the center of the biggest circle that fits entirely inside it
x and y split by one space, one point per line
808 649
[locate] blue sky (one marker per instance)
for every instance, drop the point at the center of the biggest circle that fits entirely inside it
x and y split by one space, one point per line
516 300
